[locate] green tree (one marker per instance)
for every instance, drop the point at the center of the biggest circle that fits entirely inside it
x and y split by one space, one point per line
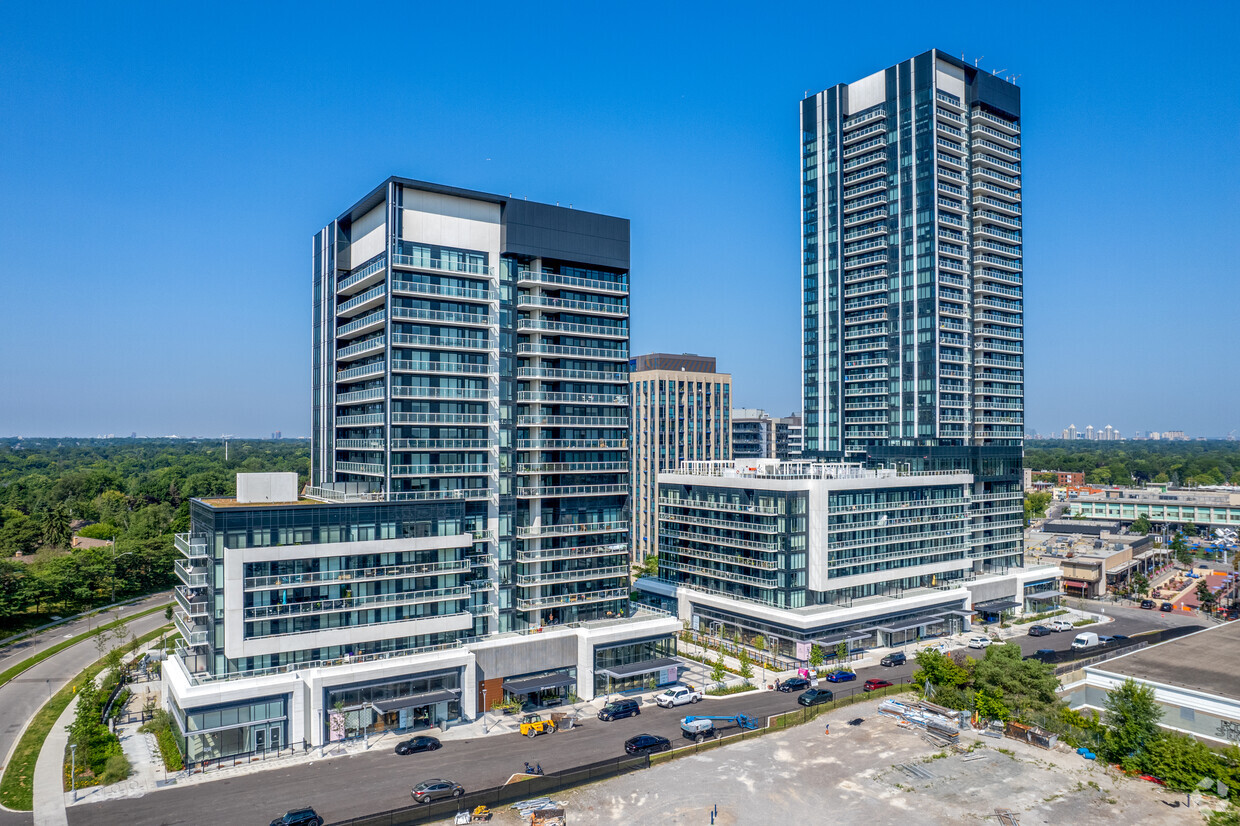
1181 761
939 670
1205 596
1140 584
54 527
815 656
991 706
1141 525
719 673
1190 529
746 665
841 653
648 567
1024 685
1132 719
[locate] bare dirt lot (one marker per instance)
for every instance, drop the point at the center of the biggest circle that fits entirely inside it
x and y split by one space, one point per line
873 773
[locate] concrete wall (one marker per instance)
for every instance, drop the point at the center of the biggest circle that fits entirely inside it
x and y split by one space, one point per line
255 488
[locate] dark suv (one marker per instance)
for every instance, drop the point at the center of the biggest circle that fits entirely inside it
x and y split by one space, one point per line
794 684
1147 604
619 709
299 817
894 659
1039 631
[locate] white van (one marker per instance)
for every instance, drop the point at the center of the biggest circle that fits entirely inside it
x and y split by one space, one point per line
1086 640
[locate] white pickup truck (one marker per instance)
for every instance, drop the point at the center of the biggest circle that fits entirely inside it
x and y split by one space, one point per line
678 695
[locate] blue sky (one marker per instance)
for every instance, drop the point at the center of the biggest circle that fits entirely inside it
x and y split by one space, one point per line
164 166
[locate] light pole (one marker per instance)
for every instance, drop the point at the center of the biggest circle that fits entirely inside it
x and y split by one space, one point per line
484 708
72 770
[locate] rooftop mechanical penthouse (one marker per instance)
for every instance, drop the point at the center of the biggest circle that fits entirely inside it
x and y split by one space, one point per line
465 536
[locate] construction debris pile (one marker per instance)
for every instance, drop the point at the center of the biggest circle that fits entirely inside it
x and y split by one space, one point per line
938 722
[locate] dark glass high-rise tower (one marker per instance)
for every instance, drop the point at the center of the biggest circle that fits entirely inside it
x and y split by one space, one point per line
913 312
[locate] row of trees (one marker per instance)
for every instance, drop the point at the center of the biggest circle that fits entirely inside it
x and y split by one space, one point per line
1125 463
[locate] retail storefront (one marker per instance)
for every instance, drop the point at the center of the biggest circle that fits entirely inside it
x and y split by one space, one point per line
542 690
404 704
215 732
635 665
994 609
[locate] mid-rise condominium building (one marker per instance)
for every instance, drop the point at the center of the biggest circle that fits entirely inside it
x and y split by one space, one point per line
681 407
753 435
912 280
465 536
788 438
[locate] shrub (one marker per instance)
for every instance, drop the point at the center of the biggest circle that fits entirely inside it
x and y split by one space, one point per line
116 769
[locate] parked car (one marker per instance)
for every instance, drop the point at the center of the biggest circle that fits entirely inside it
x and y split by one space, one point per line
1060 625
437 789
979 642
793 684
646 744
1147 603
678 695
1166 606
897 658
816 696
299 817
1105 640
619 709
841 676
874 685
1038 631
1118 637
417 744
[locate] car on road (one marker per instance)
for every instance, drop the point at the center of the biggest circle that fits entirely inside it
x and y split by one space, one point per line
979 642
1147 604
897 658
618 710
429 791
647 744
841 676
816 696
417 744
874 685
1044 654
1118 637
1060 625
299 817
793 684
677 695
1166 606
1039 631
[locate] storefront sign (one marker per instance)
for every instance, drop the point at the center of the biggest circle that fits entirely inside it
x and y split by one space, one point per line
803 651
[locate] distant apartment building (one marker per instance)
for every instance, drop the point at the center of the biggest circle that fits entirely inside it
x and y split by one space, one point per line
464 538
753 434
1163 508
681 410
788 438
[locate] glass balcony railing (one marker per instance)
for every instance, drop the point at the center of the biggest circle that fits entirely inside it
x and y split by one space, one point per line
441 418
442 317
557 491
580 597
567 328
573 305
441 444
365 371
562 374
585 284
573 444
360 279
371 296
559 577
441 342
362 603
573 467
192 601
360 348
418 392
552 397
425 262
575 552
195 635
191 547
442 367
366 322
570 528
567 351
367 468
573 421
424 288
385 572
192 576
441 470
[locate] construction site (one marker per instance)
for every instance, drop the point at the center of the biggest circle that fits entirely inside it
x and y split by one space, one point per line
900 764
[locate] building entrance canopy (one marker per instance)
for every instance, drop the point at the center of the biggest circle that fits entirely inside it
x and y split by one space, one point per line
542 682
1040 595
994 606
619 672
414 700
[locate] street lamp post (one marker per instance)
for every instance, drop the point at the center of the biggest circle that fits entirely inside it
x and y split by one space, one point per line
484 708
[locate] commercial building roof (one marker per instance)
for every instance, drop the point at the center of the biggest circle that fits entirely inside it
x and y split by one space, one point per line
1205 661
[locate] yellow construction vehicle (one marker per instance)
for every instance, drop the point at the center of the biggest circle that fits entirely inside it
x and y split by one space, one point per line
533 725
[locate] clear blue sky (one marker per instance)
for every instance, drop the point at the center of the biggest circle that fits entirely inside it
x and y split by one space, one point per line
163 167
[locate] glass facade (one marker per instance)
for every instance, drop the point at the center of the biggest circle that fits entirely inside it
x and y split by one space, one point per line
630 654
251 727
403 704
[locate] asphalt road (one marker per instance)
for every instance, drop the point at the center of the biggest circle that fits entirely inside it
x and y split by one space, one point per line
345 787
22 696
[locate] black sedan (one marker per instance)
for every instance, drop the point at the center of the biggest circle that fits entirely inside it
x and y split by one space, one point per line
417 744
816 696
646 744
793 684
1038 631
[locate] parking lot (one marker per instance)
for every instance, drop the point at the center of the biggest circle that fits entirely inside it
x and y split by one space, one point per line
855 773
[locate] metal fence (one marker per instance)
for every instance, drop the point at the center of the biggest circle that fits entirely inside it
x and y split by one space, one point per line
1070 660
204 766
511 793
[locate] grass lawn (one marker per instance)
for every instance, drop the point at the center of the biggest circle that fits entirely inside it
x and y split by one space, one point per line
17 784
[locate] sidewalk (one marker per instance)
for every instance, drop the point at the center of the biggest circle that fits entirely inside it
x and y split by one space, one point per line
49 778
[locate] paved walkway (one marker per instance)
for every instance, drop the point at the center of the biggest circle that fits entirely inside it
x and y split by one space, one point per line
49 794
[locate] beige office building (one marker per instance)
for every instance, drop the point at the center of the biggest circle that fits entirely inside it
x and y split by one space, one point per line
681 412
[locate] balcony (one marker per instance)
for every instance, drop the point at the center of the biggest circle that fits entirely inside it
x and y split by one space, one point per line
998 346
573 467
948 98
565 491
856 149
570 529
573 444
450 368
560 577
579 598
553 397
994 260
853 206
863 189
729 558
440 444
441 470
567 328
869 215
362 603
441 342
862 303
356 396
574 305
561 374
365 324
362 278
1012 209
864 317
376 574
439 290
770 546
670 565
864 118
425 262
1006 194
192 576
458 393
864 175
191 547
359 419
365 468
575 552
567 351
998 122
727 507
361 348
441 418
873 157
443 317
981 288
862 134
365 371
669 515
527 277
573 421
366 301
1001 138
951 204
192 601
453 495
194 634
360 444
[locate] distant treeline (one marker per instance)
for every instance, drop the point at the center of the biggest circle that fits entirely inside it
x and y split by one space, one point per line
1122 463
134 491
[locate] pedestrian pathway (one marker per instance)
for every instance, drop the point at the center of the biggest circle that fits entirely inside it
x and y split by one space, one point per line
49 777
